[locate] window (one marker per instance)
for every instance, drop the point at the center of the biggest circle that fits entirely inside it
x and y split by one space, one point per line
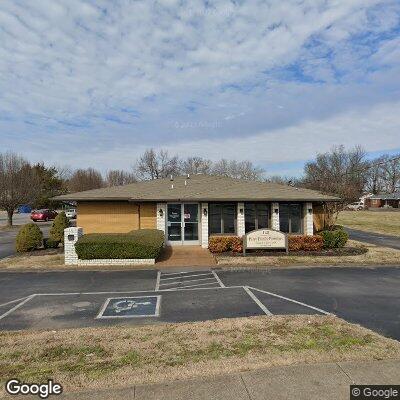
222 218
256 216
290 218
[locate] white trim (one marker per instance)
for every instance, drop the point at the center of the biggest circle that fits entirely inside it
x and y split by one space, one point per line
291 300
156 311
17 306
257 301
217 278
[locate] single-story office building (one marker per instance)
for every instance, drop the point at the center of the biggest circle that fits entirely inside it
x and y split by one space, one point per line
191 208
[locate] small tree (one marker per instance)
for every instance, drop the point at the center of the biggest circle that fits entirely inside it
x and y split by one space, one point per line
60 223
19 183
29 237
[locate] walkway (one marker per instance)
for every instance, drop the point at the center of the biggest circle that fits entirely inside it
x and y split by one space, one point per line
185 256
297 382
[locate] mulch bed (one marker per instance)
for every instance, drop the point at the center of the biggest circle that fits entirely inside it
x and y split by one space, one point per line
40 252
345 251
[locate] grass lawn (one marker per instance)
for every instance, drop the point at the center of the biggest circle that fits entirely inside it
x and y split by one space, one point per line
82 359
386 222
375 255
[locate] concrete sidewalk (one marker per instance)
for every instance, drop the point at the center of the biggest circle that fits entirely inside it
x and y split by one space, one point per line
298 382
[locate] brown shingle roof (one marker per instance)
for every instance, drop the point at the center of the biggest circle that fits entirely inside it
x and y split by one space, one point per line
200 188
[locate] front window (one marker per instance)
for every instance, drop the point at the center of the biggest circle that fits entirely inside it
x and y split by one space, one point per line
222 218
256 216
290 218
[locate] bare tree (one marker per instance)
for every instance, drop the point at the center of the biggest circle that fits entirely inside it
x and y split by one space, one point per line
153 165
238 169
284 180
196 165
390 168
85 179
341 173
117 177
19 183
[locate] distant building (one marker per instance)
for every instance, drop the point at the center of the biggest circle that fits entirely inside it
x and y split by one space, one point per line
383 200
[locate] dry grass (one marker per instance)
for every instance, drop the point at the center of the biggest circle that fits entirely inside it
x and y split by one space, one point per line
53 262
385 222
87 358
375 255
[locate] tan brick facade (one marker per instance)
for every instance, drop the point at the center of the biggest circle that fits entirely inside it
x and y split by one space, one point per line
108 216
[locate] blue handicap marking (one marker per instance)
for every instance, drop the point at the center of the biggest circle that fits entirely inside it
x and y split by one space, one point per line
140 306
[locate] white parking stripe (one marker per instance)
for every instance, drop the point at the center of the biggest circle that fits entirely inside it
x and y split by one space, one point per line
184 276
190 280
258 302
13 301
17 306
291 300
199 284
217 278
158 280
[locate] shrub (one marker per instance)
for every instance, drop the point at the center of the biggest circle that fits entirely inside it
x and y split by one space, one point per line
221 244
60 223
144 243
49 243
334 239
305 243
29 238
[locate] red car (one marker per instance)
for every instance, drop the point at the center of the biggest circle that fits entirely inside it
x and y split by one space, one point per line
43 215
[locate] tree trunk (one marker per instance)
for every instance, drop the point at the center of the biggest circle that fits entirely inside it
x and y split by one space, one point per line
10 214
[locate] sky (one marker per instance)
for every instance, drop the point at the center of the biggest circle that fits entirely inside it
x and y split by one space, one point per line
94 83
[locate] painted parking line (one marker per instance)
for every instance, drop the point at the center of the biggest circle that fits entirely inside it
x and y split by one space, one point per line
291 300
158 280
13 301
186 281
17 306
257 301
186 276
217 278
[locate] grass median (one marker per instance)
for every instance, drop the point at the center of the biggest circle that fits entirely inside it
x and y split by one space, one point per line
90 358
385 222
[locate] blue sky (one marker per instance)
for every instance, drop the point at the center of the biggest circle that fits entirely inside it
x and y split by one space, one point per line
94 83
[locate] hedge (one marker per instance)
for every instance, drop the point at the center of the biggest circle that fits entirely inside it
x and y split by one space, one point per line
222 244
143 243
29 238
334 239
49 243
305 243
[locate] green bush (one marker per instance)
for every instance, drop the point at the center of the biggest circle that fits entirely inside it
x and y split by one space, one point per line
49 243
29 238
60 223
334 239
143 243
222 244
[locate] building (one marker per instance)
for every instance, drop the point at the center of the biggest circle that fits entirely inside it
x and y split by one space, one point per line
191 208
384 200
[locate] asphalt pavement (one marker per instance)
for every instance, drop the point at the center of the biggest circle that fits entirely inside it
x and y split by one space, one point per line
367 296
374 238
7 237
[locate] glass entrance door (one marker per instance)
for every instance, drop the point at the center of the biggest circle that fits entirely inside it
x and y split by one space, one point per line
182 223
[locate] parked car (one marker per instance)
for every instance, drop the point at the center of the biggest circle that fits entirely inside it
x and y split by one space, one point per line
43 215
357 206
71 213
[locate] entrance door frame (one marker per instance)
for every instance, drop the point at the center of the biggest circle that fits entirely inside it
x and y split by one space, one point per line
183 242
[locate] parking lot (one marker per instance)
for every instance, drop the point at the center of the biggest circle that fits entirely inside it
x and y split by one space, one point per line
57 300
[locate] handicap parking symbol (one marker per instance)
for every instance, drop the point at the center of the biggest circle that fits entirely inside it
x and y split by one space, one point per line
129 307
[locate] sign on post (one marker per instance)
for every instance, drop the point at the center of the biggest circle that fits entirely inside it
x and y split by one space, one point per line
265 239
